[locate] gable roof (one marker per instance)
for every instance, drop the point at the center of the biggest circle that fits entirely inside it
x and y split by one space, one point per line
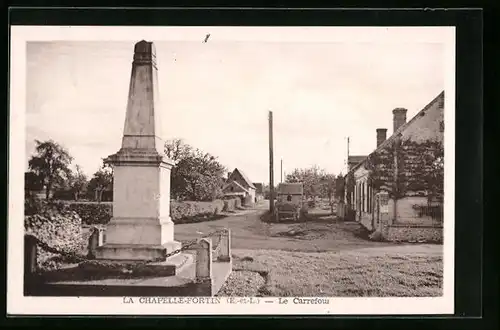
236 183
401 129
245 178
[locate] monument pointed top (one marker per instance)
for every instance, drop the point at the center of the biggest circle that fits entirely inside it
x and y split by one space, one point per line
142 128
144 46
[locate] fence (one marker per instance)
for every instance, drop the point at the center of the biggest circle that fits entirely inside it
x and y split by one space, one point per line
434 211
430 213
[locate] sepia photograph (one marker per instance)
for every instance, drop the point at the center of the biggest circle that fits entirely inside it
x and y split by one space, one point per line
257 169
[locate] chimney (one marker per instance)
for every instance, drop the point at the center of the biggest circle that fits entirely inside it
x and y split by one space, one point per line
399 118
381 136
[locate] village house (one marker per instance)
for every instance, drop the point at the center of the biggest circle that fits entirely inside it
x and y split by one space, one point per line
259 191
238 184
398 189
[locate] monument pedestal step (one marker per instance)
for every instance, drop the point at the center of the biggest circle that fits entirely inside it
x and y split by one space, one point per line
135 252
170 267
77 283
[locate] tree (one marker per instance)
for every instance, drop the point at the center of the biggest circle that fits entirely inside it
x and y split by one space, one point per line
177 149
101 181
197 175
51 164
408 168
327 188
77 182
433 161
340 187
32 182
310 178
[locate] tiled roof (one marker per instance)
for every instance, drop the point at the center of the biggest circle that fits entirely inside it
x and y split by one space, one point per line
237 184
247 180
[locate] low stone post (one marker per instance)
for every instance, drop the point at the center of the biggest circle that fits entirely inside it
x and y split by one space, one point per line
203 268
96 240
225 246
30 256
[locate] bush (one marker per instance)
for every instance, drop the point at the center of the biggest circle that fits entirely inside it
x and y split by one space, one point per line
56 225
180 212
93 213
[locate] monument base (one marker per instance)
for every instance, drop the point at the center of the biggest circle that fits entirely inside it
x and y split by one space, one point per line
140 231
81 282
135 252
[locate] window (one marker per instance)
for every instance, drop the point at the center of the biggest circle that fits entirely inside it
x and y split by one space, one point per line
369 198
232 188
289 198
357 197
360 198
363 197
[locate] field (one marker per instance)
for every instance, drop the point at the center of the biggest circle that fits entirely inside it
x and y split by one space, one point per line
365 272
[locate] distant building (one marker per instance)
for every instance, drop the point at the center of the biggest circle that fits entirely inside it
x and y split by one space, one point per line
354 160
415 213
259 191
238 184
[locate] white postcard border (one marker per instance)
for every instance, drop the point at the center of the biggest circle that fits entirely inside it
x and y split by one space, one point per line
18 304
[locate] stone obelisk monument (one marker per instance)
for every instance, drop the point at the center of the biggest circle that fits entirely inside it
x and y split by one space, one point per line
141 227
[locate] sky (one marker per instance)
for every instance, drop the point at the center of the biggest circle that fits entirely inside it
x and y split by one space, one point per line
216 96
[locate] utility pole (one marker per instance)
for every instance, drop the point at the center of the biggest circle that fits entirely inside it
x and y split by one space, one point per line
347 159
281 170
271 164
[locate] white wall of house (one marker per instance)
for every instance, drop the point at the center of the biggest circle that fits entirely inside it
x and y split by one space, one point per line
251 192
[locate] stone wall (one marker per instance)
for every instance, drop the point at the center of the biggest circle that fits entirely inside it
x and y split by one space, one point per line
414 233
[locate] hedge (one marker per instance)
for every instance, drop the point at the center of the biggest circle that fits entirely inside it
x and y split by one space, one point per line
180 212
93 213
56 225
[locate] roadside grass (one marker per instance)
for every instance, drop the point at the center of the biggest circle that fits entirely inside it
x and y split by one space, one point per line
361 273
